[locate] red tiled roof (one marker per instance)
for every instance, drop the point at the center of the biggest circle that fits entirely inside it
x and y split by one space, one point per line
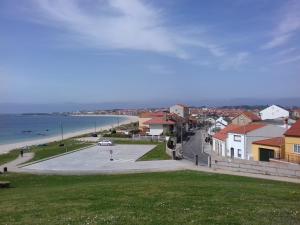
222 134
159 120
275 142
247 128
294 130
250 115
151 114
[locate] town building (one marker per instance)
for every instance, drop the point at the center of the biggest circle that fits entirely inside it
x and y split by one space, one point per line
160 126
274 112
219 140
245 118
239 141
296 113
292 143
266 149
180 110
146 116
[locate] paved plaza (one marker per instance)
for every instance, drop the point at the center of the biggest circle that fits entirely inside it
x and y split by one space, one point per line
96 159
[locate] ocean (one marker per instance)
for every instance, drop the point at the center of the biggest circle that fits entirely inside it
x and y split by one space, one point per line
19 128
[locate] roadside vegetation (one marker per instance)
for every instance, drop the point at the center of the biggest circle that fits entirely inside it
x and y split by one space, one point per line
54 148
185 197
7 157
158 153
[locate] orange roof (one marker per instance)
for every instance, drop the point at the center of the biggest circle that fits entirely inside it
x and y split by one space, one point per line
275 142
294 130
247 128
151 114
159 120
222 134
250 115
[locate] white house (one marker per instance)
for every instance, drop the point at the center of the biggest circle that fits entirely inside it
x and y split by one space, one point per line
159 126
239 141
274 112
219 139
221 123
180 110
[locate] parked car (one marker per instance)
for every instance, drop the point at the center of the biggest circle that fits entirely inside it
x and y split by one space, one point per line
105 143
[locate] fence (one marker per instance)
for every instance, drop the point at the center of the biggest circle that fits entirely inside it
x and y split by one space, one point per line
148 138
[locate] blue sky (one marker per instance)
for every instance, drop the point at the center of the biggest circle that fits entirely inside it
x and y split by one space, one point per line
56 51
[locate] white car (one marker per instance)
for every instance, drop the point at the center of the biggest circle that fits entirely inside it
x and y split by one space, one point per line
105 143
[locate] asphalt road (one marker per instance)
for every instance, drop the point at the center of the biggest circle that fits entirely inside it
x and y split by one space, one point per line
193 147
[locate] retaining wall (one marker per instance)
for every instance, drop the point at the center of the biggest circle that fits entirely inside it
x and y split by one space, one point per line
256 167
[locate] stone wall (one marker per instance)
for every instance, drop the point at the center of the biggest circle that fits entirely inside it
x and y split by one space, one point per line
256 167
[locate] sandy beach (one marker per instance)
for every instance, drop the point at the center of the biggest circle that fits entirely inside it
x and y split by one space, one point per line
8 147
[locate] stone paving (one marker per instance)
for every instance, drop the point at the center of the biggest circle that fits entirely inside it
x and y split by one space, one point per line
96 159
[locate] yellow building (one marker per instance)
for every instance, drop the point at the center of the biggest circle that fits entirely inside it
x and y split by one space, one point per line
292 143
264 150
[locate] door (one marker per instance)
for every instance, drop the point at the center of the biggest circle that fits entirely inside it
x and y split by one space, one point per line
266 154
232 152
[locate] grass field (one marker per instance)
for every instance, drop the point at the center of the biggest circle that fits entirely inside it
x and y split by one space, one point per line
41 152
7 157
156 198
158 153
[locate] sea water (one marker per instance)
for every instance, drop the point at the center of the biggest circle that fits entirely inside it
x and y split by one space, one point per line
19 128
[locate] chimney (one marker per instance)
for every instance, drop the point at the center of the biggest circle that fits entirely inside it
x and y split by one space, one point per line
286 120
165 116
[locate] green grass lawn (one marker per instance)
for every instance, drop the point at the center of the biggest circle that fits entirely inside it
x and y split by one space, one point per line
158 153
53 148
184 197
7 157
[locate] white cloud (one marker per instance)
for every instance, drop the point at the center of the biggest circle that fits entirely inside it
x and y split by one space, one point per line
120 24
289 60
287 27
235 61
109 25
277 41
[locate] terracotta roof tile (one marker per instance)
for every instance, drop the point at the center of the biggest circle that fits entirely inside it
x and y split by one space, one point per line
159 120
275 142
151 114
294 130
250 115
222 134
247 128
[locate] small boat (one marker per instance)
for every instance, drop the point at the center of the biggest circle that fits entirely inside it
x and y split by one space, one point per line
26 131
41 134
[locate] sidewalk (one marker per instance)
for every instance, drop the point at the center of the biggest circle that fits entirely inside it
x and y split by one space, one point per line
12 166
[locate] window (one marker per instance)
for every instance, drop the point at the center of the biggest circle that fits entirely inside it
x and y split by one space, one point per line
239 153
297 148
237 138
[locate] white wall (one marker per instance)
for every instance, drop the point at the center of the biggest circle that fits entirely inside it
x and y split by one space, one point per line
219 147
273 112
180 110
231 143
156 129
266 132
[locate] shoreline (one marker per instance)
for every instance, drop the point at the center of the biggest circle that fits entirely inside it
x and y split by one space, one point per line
5 148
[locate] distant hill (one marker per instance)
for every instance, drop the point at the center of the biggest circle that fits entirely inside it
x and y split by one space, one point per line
69 107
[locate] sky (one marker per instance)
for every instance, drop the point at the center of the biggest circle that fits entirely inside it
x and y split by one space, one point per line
57 51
